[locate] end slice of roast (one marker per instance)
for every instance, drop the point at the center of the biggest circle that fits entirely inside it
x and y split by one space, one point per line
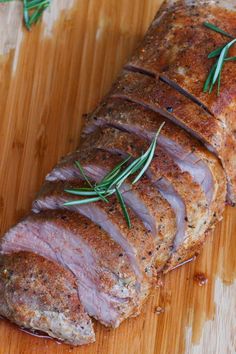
40 295
107 285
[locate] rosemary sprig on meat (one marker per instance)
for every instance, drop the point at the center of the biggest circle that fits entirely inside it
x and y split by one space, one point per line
32 10
114 179
220 54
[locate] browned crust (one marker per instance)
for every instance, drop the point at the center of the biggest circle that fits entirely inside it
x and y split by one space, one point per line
124 115
163 99
113 272
145 191
179 52
83 155
185 254
164 216
198 218
33 287
106 251
160 97
138 237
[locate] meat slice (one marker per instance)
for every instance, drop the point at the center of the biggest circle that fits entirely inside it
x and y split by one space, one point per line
187 152
136 242
165 100
143 197
186 197
173 53
39 295
107 285
54 197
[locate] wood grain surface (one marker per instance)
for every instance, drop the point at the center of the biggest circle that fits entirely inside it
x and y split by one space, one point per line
48 79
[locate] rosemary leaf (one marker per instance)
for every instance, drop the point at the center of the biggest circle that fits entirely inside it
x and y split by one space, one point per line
221 52
100 195
216 52
77 164
221 60
114 172
30 5
81 192
123 207
150 157
84 189
26 14
217 29
211 87
124 174
32 10
147 163
34 18
230 59
82 201
209 78
218 85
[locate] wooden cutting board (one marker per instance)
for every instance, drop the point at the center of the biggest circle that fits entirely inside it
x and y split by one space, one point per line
48 79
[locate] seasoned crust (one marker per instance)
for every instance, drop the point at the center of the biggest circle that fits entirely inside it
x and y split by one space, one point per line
164 215
101 267
171 52
208 130
143 122
145 191
197 213
176 55
106 251
38 294
167 101
163 99
137 236
142 190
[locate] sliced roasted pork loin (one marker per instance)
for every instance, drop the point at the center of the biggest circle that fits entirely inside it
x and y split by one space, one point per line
187 152
163 99
143 198
185 196
108 285
38 294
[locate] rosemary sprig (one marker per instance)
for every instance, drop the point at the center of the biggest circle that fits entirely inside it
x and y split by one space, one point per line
217 29
220 54
114 179
32 10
